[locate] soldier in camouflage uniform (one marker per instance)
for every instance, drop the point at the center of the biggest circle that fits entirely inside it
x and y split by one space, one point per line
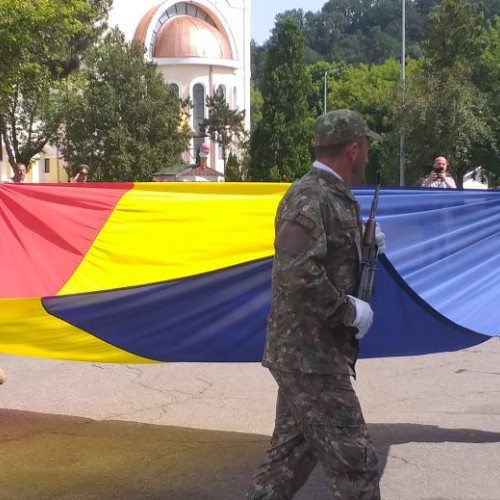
315 324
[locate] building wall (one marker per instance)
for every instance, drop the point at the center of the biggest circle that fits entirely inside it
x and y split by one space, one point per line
210 77
50 160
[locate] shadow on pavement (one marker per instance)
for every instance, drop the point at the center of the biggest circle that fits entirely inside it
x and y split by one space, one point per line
48 456
385 435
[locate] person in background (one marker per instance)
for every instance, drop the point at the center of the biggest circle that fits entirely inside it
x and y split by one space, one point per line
82 173
438 178
19 174
316 323
18 177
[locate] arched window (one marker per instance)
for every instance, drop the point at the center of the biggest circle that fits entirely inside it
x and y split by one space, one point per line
175 88
198 113
221 89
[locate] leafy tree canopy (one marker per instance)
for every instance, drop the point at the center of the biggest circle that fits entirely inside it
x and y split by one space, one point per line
452 98
445 113
454 35
364 31
43 39
124 122
283 137
223 125
374 91
41 44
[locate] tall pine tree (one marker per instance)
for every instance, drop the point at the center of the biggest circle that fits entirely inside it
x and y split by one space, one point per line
282 140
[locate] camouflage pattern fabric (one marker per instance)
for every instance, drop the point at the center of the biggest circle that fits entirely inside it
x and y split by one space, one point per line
318 418
341 126
316 264
310 348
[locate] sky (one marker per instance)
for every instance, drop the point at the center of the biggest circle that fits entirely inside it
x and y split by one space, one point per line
264 12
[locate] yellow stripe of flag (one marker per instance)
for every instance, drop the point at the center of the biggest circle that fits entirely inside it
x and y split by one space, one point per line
164 231
26 329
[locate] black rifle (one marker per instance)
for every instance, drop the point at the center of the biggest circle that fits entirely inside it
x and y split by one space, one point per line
369 251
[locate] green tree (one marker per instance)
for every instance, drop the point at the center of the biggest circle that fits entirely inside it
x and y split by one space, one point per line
487 78
30 121
257 58
366 31
256 103
41 44
232 172
373 91
125 122
363 31
316 72
283 137
454 35
39 37
223 125
445 113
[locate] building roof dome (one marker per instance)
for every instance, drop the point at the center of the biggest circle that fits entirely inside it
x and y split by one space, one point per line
188 36
142 27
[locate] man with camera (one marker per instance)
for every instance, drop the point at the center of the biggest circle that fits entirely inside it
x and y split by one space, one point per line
438 178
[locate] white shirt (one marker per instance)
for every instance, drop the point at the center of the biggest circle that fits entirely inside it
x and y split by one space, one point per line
11 180
322 166
440 183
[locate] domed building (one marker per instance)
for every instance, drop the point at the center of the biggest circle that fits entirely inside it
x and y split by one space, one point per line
200 47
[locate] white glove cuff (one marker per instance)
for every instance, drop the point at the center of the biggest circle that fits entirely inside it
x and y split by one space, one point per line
364 316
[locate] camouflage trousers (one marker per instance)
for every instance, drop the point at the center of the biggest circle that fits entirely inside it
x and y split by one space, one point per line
318 418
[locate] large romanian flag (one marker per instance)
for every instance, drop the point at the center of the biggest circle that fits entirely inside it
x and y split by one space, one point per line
137 273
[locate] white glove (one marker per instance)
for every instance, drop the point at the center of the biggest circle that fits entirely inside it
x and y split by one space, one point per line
379 237
364 316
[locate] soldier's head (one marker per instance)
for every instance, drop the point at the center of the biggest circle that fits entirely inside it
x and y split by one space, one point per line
342 142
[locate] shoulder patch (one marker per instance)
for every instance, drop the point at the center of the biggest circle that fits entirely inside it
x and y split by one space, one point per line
308 224
296 234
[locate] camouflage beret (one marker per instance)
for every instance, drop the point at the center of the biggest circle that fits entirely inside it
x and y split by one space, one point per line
340 126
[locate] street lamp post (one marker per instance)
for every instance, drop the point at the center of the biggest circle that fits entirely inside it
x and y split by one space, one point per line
329 72
403 80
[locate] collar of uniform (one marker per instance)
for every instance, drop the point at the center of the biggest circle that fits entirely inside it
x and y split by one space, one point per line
328 175
331 178
324 168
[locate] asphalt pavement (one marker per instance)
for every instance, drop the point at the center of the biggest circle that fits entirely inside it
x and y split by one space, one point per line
198 431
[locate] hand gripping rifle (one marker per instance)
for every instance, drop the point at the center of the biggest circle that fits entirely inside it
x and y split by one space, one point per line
369 251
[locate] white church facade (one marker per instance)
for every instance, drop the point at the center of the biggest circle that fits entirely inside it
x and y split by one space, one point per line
199 46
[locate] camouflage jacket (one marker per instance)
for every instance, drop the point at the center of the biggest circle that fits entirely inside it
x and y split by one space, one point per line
316 264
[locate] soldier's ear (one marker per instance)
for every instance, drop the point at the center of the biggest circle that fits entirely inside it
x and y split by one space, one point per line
353 150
